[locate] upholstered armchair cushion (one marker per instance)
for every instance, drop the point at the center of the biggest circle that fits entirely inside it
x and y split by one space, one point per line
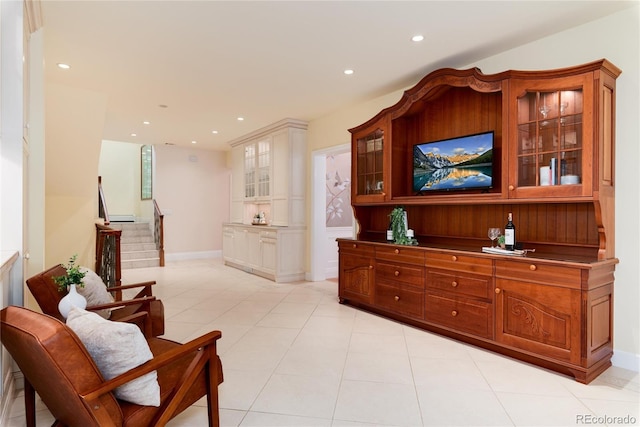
117 347
95 291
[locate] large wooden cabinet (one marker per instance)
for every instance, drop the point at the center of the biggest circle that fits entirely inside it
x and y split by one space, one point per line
553 167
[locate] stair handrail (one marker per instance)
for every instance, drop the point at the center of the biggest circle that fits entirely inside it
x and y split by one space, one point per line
158 232
108 257
102 203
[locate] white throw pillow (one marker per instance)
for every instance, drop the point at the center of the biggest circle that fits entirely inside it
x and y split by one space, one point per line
95 291
117 347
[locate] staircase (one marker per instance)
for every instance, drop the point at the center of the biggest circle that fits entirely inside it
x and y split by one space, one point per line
137 245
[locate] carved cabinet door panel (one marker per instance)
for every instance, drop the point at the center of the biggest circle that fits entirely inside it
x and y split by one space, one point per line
356 278
356 271
539 318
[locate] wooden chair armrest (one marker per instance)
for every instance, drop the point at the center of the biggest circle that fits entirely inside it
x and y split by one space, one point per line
116 304
154 364
144 291
131 286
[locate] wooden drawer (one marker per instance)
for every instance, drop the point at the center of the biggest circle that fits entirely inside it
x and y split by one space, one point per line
356 247
463 285
532 270
408 254
403 273
463 315
400 299
268 235
455 261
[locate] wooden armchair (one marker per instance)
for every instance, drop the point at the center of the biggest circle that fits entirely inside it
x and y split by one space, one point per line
45 291
58 367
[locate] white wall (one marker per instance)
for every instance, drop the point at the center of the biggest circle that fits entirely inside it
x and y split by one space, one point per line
119 168
73 135
192 190
614 37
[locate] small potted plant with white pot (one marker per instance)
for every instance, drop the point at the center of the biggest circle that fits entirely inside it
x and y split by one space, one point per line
68 283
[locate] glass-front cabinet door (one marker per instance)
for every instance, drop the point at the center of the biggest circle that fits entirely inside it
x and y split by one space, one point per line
553 141
250 171
257 169
369 166
264 165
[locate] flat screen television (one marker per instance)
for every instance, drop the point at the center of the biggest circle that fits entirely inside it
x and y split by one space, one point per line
461 163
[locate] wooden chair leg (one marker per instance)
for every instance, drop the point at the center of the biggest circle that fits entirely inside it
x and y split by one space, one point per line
29 404
212 375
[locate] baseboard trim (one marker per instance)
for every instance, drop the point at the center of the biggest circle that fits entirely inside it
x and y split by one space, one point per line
626 360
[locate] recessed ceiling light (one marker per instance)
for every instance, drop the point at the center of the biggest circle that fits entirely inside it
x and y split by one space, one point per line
214 131
193 142
417 38
146 122
240 119
348 72
64 66
133 134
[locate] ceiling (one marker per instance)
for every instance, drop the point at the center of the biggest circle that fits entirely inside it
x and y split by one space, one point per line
192 67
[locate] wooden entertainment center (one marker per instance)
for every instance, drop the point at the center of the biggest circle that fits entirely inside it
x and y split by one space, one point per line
553 307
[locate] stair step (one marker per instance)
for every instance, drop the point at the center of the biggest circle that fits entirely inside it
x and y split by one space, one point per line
140 263
136 233
130 226
133 255
136 239
137 245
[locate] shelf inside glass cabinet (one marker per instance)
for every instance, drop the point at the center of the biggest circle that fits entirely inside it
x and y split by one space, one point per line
370 178
550 138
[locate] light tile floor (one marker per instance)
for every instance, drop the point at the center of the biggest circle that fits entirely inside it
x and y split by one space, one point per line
293 356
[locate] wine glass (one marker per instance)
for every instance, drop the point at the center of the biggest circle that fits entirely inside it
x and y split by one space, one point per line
493 234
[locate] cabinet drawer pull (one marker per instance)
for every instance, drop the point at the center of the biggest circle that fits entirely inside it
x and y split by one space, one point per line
511 188
397 273
454 283
355 246
454 313
533 267
497 290
397 251
454 258
397 298
370 267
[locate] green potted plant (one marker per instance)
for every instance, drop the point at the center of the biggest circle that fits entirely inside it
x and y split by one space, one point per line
399 227
68 282
501 241
73 277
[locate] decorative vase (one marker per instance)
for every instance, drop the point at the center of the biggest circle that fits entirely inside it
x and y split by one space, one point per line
72 299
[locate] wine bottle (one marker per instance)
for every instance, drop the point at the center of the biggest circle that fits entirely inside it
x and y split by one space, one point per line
510 234
390 233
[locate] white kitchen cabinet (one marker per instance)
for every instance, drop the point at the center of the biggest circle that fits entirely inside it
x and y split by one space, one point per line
237 184
228 243
269 174
276 253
